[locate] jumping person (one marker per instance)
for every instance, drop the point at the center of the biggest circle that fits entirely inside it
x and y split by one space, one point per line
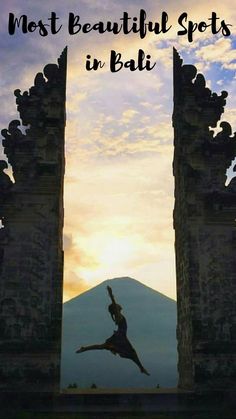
118 343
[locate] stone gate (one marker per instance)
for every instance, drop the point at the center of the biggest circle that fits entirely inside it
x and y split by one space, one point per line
31 255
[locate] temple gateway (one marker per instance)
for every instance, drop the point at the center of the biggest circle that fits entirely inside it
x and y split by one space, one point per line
31 254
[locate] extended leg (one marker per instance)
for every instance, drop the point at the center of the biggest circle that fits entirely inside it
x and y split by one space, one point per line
92 347
135 358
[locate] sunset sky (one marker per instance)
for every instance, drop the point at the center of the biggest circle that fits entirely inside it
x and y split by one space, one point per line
119 137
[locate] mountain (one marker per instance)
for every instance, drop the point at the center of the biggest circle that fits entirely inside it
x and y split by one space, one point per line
151 319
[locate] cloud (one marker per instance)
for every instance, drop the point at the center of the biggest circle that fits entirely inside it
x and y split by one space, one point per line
128 115
73 285
75 255
221 51
75 259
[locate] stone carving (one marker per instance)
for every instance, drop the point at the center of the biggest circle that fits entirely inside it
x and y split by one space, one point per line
31 256
205 231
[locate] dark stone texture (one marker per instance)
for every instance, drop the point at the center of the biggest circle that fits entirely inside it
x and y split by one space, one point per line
205 231
31 255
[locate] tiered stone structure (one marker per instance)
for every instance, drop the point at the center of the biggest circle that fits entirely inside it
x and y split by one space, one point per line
31 255
205 230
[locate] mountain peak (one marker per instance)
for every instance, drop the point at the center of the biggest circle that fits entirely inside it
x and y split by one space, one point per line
123 285
120 278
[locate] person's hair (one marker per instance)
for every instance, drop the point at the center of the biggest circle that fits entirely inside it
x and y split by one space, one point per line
112 307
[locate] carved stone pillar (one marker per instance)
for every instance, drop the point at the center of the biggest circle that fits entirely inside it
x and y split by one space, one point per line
205 232
31 255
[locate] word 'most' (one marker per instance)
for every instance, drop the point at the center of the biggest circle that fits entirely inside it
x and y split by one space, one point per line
138 25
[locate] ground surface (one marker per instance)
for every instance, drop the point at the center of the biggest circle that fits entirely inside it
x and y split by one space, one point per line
32 415
128 404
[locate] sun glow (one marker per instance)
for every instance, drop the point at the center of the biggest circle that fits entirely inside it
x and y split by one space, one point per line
113 254
117 250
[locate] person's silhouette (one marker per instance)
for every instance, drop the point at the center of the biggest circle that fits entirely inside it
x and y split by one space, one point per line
118 343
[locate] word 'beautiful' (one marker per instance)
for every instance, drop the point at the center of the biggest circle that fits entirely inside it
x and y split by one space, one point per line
125 25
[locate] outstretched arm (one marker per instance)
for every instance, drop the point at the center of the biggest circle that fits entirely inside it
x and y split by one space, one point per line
111 294
117 316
